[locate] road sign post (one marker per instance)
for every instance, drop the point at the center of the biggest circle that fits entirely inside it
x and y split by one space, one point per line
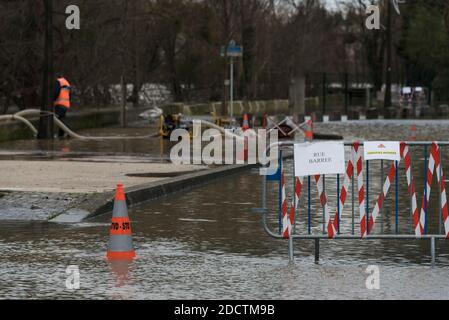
231 92
232 51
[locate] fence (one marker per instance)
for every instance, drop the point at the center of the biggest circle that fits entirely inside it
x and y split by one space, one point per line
363 220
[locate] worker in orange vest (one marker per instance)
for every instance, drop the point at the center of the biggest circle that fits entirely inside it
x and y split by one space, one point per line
62 95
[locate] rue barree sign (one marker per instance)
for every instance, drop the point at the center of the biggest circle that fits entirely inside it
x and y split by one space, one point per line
319 158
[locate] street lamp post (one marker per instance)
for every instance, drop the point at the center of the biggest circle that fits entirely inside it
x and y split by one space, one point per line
231 90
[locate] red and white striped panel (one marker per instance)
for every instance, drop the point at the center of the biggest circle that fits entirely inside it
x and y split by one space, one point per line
286 227
405 155
434 165
289 219
356 158
419 218
440 176
331 231
433 158
344 191
294 206
298 190
361 187
380 200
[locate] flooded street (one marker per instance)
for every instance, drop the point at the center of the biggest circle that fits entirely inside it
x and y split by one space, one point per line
207 244
148 149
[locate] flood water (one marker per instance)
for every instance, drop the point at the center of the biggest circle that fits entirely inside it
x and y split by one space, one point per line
146 149
207 244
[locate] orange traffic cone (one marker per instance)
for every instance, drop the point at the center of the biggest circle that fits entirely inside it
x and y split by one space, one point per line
245 125
309 130
120 246
413 130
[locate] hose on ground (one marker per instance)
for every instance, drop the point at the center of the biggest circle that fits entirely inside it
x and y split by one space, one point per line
35 112
19 118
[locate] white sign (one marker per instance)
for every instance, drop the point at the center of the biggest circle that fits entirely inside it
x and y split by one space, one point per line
406 90
319 158
382 150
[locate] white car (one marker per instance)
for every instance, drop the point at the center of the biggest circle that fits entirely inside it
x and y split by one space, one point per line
151 114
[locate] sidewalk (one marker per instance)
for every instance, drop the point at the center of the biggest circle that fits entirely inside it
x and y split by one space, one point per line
73 191
81 177
42 190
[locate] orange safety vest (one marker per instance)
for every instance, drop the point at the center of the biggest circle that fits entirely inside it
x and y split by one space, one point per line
64 94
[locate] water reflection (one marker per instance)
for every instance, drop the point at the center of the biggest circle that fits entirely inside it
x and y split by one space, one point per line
120 270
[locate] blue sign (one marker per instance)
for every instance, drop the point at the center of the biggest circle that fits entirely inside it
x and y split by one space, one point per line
232 50
276 176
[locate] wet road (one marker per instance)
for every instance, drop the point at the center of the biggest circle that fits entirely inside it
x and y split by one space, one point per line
146 150
207 244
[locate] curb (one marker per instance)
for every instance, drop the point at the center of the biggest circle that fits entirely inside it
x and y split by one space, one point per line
103 203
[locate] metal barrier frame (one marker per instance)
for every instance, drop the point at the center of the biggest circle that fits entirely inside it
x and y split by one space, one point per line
317 237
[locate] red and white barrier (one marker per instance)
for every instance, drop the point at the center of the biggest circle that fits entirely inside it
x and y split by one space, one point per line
344 191
356 158
380 200
419 218
298 190
355 164
444 209
428 187
435 164
405 155
286 226
361 186
294 206
332 225
331 230
288 218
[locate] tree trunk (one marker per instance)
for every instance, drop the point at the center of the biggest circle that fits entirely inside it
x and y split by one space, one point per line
387 101
248 34
46 120
136 60
123 116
